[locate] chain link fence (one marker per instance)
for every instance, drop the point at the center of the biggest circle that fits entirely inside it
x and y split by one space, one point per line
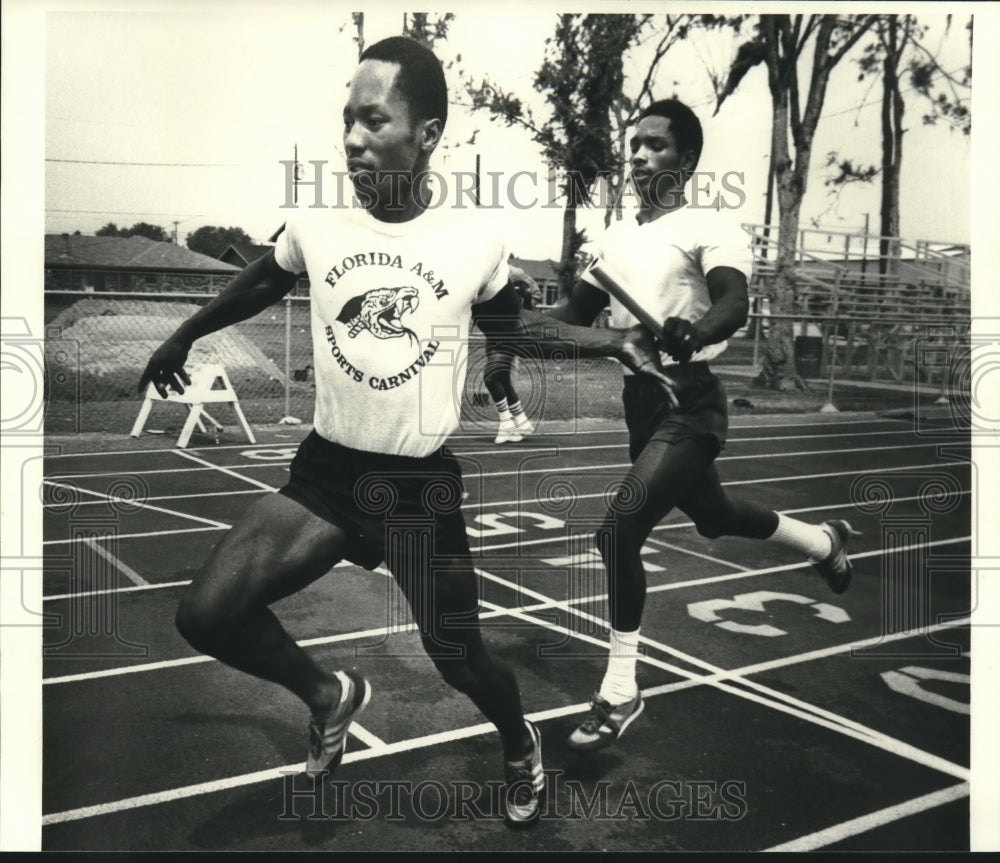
97 344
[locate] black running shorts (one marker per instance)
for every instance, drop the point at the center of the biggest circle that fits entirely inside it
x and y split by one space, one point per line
702 414
391 505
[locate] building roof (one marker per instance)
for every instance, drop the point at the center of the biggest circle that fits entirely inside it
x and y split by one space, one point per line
131 253
246 252
540 271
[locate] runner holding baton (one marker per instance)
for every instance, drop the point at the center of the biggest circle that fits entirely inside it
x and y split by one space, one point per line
681 271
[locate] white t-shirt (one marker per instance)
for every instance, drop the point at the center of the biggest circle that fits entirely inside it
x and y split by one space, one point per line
391 311
663 264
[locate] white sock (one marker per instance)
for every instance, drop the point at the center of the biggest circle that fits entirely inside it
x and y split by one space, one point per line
810 539
619 683
502 407
515 408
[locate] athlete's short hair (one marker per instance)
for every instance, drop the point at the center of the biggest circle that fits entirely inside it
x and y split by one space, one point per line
684 123
420 78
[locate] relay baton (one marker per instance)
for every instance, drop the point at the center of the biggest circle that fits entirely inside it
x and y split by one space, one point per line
612 283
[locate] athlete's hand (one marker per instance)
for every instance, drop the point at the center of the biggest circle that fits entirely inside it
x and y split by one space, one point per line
639 353
166 368
680 339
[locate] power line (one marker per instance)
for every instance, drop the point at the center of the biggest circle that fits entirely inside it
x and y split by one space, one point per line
159 164
113 212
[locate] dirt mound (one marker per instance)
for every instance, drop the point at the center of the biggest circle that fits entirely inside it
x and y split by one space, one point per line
114 340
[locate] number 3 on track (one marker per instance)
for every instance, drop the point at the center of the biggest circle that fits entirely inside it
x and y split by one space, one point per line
708 611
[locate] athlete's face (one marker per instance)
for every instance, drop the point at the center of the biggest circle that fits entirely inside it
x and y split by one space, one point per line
658 164
384 146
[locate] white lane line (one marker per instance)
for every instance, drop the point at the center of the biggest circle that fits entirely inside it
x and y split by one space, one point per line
458 438
256 465
145 534
517 501
172 794
111 498
546 452
520 543
855 826
159 498
160 585
745 457
802 565
319 641
672 586
270 774
559 449
121 566
370 740
397 747
128 669
761 694
875 471
739 674
672 547
227 471
712 579
679 525
852 646
789 478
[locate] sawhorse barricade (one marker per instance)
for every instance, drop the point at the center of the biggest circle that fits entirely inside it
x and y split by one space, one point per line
209 385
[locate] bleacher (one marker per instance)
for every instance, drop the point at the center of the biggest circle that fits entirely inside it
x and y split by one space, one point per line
878 304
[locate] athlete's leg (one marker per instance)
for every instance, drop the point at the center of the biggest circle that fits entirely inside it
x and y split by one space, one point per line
662 475
444 600
514 424
716 514
497 377
275 549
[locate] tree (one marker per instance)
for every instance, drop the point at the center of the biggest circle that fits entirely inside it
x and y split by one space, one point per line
947 102
425 27
213 241
152 232
139 229
422 26
897 37
581 77
780 43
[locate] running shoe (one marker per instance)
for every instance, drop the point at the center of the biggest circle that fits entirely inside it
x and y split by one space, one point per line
525 783
605 723
836 566
328 735
523 424
508 431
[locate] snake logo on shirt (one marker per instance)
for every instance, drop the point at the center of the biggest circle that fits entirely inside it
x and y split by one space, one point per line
380 312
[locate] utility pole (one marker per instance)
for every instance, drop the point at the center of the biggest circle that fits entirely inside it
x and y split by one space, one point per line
176 223
476 187
864 248
359 25
768 203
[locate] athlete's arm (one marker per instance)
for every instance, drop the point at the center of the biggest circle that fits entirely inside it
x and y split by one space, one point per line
727 288
583 306
254 288
517 330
